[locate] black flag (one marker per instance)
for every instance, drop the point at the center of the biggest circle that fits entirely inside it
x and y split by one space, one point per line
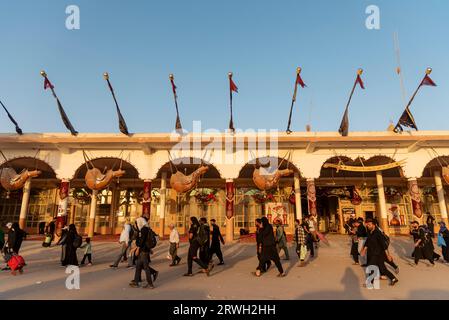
65 119
406 118
18 130
121 121
344 125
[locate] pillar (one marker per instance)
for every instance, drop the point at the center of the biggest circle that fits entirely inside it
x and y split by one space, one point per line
415 196
163 202
25 202
440 193
61 219
297 185
93 210
146 203
382 203
72 213
230 197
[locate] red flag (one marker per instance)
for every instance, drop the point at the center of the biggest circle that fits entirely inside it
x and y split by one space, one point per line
299 81
173 87
360 82
427 81
47 84
232 85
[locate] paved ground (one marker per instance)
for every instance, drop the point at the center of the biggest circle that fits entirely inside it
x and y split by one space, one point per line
329 276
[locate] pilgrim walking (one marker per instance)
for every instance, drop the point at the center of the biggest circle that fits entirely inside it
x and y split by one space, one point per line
217 240
193 249
269 251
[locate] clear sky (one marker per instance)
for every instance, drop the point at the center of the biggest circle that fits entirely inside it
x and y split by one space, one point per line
139 42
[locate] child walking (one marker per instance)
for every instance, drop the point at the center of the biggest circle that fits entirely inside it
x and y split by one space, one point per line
87 252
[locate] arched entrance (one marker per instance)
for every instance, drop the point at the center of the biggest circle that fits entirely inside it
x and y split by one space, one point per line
35 203
435 188
279 202
345 192
207 199
118 201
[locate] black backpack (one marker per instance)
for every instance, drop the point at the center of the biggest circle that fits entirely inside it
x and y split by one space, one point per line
78 241
152 239
203 235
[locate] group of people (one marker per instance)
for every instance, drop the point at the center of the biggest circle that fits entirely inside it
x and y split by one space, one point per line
270 243
138 240
370 247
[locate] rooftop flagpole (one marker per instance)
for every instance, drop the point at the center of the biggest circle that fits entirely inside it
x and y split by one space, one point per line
65 119
121 121
406 118
178 125
302 84
18 130
232 87
344 125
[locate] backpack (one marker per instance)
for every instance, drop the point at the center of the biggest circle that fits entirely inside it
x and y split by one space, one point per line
78 241
152 239
203 235
427 233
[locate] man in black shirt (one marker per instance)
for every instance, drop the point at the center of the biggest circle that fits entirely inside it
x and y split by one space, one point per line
376 248
215 246
204 249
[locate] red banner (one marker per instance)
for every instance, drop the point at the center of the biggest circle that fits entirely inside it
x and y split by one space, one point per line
415 195
311 197
146 203
230 199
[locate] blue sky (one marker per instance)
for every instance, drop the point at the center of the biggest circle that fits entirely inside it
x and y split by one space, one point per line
140 42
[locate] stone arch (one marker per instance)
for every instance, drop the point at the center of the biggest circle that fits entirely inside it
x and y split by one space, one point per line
102 163
187 165
360 162
434 165
271 163
30 163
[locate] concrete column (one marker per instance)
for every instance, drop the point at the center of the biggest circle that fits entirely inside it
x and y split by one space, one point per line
163 202
93 210
440 192
230 195
382 203
25 202
72 213
298 207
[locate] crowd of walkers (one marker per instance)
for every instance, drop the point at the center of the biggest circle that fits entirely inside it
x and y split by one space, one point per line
369 245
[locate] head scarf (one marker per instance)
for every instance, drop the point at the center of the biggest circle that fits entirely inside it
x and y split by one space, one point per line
141 222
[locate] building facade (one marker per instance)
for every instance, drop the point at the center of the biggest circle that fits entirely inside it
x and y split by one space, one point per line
396 178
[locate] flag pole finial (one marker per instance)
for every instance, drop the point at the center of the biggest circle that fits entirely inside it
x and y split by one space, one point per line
298 70
230 75
359 71
106 76
429 70
43 73
170 76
